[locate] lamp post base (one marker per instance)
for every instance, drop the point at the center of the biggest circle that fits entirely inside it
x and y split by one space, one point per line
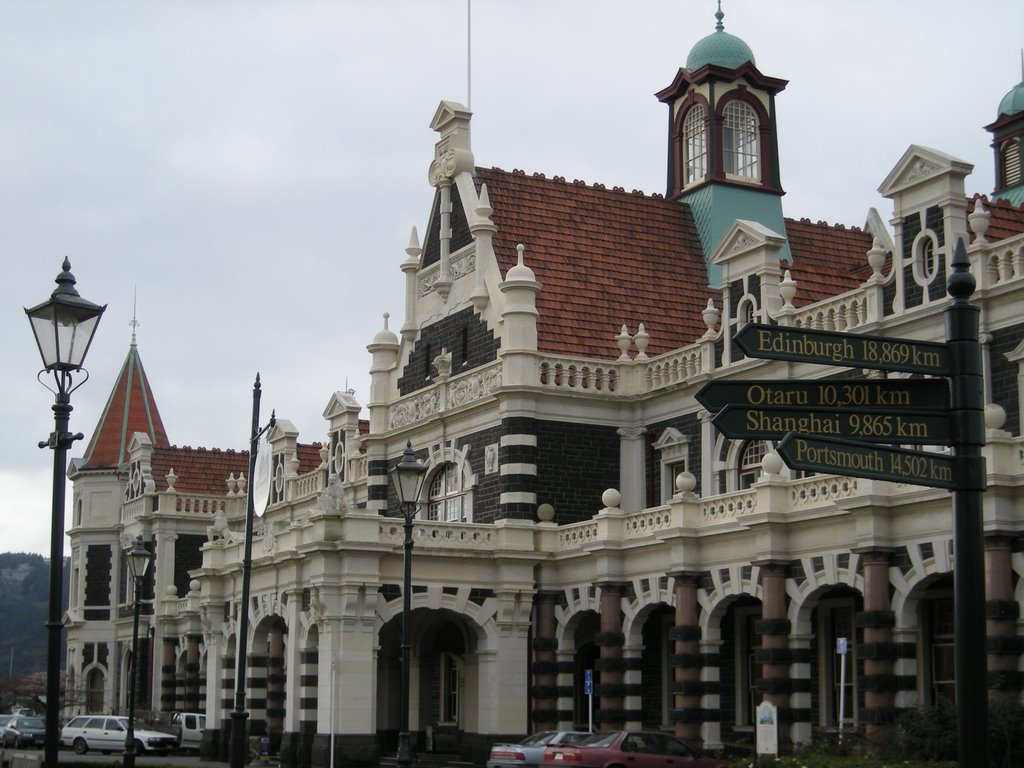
404 750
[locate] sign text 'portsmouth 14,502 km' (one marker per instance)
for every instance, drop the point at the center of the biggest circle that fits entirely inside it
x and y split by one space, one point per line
859 459
773 342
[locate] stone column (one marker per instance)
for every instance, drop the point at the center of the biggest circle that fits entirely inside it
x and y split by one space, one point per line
168 670
1001 614
275 685
191 703
878 649
686 658
610 665
774 654
545 664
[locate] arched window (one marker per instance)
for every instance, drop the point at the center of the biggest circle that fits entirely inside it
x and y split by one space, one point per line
94 691
447 501
695 147
1011 163
750 463
739 140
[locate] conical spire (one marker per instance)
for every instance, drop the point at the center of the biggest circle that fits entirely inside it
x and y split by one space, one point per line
130 409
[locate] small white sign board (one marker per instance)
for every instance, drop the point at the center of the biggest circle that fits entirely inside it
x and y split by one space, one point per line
767 729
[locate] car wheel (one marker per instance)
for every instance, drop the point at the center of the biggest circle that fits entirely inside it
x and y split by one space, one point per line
140 748
80 746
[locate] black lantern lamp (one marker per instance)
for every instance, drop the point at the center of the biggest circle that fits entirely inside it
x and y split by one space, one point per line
407 477
138 563
63 327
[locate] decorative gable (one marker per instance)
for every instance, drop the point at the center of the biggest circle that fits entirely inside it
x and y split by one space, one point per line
922 175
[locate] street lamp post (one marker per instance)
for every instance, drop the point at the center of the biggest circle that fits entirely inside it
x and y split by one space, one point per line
237 751
138 562
407 477
63 327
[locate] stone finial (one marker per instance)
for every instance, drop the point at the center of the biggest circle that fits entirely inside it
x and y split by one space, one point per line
611 498
979 219
787 290
483 207
413 250
710 315
171 480
772 463
876 258
642 339
624 341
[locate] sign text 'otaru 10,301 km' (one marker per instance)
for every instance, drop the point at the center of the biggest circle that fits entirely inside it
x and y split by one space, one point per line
773 342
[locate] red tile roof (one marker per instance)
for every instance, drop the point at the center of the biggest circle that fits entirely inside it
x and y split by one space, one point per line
605 257
130 409
203 471
827 259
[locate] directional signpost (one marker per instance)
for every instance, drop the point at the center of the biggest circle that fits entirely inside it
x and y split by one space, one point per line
850 457
908 427
833 425
833 348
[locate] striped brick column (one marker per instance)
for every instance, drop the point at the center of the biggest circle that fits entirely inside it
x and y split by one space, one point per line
191 703
774 654
227 702
256 690
686 660
610 664
545 664
517 461
308 685
1001 614
878 651
168 667
275 685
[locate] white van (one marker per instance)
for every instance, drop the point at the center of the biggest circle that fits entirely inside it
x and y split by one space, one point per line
189 727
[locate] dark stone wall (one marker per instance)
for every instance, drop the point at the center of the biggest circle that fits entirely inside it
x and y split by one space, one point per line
689 425
1003 374
934 221
912 292
98 562
471 342
576 463
187 557
461 236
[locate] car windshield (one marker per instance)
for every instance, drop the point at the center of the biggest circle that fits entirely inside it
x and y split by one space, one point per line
600 740
539 739
31 722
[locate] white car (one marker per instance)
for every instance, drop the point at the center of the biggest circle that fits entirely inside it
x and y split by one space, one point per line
107 733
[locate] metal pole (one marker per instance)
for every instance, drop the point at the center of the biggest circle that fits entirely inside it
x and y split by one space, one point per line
404 748
60 440
129 740
238 751
967 414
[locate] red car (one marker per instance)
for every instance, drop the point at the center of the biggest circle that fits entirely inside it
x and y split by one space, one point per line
628 749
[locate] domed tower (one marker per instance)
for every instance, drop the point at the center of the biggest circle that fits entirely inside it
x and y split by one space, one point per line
723 154
1008 142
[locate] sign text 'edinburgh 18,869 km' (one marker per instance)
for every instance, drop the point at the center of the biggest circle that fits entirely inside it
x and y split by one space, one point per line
834 348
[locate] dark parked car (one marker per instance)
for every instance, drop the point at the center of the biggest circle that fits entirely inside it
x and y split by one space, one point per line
636 749
530 750
24 732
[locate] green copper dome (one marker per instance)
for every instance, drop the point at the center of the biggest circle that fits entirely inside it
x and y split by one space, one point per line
719 48
1013 102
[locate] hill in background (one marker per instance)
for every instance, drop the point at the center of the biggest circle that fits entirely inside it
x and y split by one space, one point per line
24 597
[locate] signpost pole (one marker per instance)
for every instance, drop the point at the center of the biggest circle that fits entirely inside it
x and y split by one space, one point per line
968 545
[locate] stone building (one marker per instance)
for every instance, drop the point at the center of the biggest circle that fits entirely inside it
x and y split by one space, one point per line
580 510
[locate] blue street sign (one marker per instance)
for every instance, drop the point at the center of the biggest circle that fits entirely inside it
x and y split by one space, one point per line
588 681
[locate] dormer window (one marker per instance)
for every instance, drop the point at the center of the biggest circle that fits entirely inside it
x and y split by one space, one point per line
695 145
739 140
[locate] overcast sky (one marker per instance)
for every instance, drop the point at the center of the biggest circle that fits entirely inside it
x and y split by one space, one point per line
251 170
